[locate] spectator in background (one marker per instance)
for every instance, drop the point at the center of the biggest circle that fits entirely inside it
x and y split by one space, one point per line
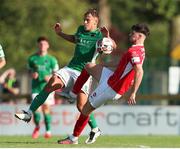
41 66
2 58
10 85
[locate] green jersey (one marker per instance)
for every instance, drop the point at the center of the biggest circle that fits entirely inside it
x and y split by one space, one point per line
44 66
85 47
1 52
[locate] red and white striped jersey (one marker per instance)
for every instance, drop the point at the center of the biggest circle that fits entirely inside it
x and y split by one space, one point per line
123 76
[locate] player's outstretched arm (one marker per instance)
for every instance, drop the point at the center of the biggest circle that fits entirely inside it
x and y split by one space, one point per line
105 33
137 81
58 30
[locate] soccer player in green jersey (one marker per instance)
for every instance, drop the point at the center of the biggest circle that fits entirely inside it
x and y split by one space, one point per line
41 65
2 58
85 50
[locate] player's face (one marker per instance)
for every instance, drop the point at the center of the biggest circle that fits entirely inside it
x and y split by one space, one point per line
134 36
90 22
43 45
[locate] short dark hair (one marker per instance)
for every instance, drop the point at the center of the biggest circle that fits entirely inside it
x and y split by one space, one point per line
42 38
142 28
93 12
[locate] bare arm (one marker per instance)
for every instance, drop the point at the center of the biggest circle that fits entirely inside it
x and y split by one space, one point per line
105 33
12 90
137 81
58 30
2 62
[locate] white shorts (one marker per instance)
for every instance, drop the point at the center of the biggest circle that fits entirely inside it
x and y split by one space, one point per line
69 77
49 101
103 92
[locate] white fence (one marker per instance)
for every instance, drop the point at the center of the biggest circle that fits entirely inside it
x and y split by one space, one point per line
112 120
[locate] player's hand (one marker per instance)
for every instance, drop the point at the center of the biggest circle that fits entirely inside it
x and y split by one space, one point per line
104 31
47 78
132 100
99 43
58 28
35 75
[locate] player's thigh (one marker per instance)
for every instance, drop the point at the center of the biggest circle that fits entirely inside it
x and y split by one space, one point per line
54 83
94 70
46 108
67 75
102 94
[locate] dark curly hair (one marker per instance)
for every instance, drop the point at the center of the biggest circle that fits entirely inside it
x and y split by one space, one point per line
42 38
93 12
142 28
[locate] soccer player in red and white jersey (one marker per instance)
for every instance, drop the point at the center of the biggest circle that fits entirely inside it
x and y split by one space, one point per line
112 85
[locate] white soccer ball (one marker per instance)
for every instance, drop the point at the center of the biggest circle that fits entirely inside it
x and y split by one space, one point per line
105 45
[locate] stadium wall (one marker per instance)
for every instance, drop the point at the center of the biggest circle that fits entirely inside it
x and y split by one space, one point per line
112 120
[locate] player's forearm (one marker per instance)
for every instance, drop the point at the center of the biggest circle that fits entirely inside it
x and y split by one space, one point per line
14 91
137 80
114 44
2 63
70 38
106 33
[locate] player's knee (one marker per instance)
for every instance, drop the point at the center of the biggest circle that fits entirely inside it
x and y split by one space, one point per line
54 84
46 109
87 109
80 106
85 112
89 66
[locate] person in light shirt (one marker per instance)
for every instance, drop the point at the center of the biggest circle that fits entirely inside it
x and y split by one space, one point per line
2 58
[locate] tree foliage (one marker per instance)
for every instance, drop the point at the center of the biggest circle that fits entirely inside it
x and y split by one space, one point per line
21 22
156 13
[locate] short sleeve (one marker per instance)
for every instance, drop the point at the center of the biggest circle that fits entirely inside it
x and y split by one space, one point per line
30 64
1 52
135 57
55 65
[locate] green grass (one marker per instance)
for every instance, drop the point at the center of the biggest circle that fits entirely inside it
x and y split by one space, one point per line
103 141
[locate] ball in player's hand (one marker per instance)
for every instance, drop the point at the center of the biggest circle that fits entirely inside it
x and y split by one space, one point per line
104 45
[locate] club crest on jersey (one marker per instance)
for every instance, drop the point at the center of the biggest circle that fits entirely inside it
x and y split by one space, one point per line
46 61
94 94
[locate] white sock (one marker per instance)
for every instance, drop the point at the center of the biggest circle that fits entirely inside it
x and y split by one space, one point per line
73 138
48 132
30 112
95 129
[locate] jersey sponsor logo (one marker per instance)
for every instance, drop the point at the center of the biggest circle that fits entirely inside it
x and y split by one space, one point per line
135 59
42 67
46 61
94 94
85 42
93 34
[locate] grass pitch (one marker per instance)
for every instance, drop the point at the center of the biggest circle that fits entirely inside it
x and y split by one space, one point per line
102 142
